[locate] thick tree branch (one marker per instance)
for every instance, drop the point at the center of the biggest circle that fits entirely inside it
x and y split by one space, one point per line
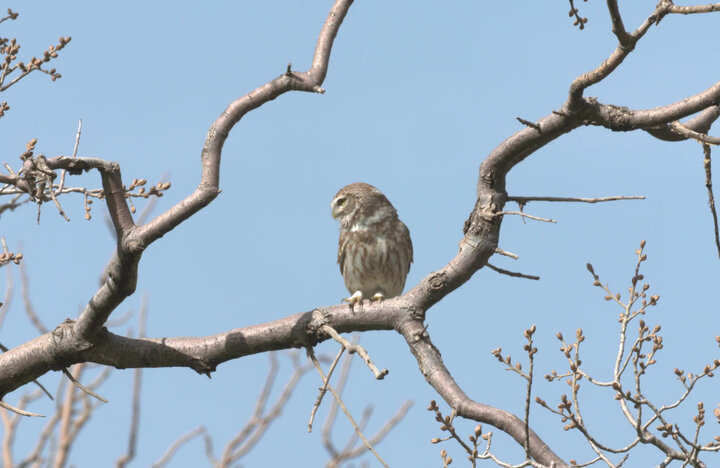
688 10
437 375
624 119
700 123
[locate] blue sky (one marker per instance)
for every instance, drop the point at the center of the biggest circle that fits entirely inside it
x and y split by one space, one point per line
418 93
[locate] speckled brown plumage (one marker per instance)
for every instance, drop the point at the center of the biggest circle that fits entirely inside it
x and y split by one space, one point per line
375 250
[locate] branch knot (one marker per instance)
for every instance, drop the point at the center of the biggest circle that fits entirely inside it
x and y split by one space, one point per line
437 280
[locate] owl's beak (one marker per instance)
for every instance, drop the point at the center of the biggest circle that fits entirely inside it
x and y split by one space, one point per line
334 210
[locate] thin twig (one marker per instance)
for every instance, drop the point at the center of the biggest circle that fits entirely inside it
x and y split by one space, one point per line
185 438
352 349
323 389
681 129
524 200
14 202
18 410
331 416
311 356
29 309
711 197
512 273
9 293
525 215
531 350
500 251
135 406
349 453
82 387
55 200
258 424
529 124
77 138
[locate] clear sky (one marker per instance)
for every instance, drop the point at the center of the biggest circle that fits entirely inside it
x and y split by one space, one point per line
418 93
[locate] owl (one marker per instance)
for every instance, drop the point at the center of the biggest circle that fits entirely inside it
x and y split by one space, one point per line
375 250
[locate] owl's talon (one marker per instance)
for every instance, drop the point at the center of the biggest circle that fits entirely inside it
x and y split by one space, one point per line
354 299
377 297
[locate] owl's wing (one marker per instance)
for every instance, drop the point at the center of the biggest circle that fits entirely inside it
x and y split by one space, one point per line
410 248
342 251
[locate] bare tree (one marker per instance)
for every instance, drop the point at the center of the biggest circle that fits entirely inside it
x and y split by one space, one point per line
86 340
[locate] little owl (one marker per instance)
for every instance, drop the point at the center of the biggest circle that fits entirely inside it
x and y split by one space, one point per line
375 250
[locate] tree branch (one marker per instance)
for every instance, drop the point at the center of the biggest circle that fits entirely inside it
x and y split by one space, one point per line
525 200
132 241
700 123
208 189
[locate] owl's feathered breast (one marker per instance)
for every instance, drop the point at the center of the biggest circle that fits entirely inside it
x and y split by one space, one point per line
375 258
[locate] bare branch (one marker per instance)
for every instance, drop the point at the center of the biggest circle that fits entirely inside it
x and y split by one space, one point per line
711 198
349 453
525 200
182 440
63 173
82 387
500 251
331 416
137 385
687 10
352 349
313 359
617 22
681 129
29 309
18 410
700 123
258 424
310 81
525 215
7 300
323 389
627 44
511 273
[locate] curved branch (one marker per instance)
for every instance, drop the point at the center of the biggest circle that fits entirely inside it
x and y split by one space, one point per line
121 279
60 348
113 189
691 134
701 124
53 351
208 189
624 119
437 375
627 44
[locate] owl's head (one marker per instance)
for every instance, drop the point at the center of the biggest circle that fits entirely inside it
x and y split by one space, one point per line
360 205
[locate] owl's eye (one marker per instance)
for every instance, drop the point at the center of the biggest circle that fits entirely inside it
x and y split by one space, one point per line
341 201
